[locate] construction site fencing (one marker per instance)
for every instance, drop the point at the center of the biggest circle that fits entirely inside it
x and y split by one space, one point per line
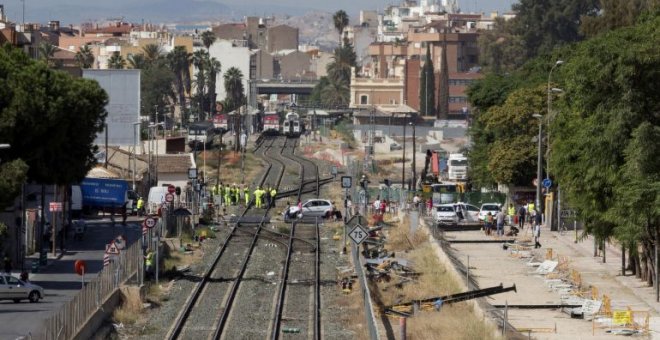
366 295
74 314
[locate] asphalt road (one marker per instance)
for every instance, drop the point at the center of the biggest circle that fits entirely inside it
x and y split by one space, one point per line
59 280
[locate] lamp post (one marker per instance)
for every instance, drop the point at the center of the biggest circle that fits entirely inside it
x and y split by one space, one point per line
403 170
550 116
135 138
538 167
414 165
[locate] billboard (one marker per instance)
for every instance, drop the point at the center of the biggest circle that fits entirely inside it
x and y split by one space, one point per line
103 192
123 88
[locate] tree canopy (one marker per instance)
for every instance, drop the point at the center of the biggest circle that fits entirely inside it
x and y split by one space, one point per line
50 119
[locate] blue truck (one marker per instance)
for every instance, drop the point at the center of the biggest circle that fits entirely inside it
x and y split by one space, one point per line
107 194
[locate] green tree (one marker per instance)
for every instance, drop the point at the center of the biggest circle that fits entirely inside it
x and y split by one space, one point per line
233 81
427 85
137 61
208 38
336 93
152 52
116 61
604 141
85 57
50 119
200 59
316 97
615 14
500 50
544 25
340 21
179 60
214 67
47 52
443 88
157 90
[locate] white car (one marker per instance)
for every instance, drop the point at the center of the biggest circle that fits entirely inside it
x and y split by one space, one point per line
472 211
12 288
492 208
317 207
445 213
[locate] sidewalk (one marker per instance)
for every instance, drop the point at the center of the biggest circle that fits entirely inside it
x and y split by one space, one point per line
491 265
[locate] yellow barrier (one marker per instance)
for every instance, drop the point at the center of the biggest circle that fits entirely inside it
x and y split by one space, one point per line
629 320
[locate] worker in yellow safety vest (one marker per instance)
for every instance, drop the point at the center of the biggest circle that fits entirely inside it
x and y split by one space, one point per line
511 213
246 193
273 193
149 262
237 194
140 206
226 194
257 197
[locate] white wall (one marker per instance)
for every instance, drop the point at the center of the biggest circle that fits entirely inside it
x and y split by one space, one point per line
230 56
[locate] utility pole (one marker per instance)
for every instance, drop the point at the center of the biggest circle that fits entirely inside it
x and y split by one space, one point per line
414 165
403 170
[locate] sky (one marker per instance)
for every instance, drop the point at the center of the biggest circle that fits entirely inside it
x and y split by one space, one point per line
82 10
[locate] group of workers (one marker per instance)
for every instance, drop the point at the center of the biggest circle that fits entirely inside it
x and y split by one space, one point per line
234 195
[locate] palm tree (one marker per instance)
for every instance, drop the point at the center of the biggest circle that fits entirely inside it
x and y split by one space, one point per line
340 20
214 68
179 61
137 61
208 38
116 61
200 60
235 97
47 52
85 57
152 52
343 59
335 93
234 88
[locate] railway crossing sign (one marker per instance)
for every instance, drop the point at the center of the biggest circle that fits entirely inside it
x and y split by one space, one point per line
358 234
149 222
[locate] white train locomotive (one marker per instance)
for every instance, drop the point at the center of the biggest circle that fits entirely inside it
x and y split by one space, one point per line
292 125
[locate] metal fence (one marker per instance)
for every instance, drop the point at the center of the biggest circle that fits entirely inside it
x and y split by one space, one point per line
74 314
366 296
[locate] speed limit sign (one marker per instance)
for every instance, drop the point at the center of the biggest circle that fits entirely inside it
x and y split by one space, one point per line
149 222
358 234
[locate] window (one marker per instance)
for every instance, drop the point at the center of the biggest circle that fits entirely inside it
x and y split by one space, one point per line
364 100
445 209
12 281
458 99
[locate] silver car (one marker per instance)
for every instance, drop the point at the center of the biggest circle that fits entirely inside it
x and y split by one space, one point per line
317 207
12 288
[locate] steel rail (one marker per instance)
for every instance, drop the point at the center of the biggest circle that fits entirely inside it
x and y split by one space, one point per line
181 320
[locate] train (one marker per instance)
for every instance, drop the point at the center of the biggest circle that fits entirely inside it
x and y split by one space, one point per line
201 134
271 123
224 122
292 125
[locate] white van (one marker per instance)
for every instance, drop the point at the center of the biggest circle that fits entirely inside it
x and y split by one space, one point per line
76 200
156 197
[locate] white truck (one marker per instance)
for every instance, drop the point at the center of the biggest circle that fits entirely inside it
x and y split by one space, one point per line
457 165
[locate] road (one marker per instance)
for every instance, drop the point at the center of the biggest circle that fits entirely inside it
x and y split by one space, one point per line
59 280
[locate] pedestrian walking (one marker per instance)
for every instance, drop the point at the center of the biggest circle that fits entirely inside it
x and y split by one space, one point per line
376 205
537 229
7 264
500 222
489 223
521 217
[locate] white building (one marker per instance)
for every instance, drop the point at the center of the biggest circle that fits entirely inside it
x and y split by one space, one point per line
230 54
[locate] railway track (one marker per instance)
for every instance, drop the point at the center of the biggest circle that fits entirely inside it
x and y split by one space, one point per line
238 295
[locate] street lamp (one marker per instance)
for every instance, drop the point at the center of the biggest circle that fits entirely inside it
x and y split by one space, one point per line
135 138
538 167
403 170
550 116
414 167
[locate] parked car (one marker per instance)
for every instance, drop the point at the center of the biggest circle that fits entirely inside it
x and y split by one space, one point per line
486 208
395 146
317 207
472 211
12 288
445 213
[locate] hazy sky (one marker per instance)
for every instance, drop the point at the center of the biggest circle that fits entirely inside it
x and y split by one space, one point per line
43 10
